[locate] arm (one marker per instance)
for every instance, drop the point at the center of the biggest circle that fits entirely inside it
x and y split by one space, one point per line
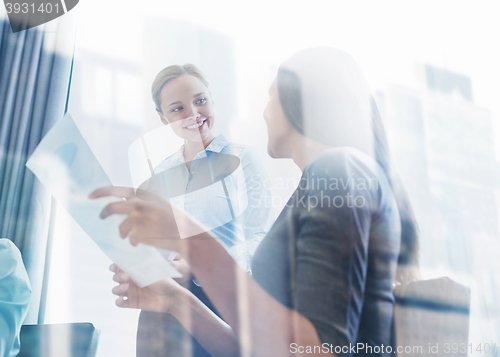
265 327
169 297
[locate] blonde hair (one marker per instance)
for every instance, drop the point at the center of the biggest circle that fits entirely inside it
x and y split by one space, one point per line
172 72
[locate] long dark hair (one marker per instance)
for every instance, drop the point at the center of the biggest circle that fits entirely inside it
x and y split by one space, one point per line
289 90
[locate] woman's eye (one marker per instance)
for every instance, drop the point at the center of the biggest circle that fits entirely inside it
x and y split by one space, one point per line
177 109
201 101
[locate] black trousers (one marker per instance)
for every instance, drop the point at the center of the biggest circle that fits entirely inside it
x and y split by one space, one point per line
161 335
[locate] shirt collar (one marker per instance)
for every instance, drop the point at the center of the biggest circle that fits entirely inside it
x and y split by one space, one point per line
217 145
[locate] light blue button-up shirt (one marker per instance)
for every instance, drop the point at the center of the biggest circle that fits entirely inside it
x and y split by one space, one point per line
15 295
225 190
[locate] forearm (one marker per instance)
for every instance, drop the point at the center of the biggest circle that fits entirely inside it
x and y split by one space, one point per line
207 328
265 327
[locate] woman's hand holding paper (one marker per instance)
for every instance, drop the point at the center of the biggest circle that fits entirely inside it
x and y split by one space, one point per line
182 266
151 220
162 296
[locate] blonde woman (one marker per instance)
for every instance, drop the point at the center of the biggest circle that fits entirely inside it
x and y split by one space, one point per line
219 183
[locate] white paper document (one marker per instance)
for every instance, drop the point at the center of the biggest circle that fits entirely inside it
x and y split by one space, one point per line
66 166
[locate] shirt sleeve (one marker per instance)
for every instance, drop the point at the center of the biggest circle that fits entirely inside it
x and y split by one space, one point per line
258 216
15 295
332 219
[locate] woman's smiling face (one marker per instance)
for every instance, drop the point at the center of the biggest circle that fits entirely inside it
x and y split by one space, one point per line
187 106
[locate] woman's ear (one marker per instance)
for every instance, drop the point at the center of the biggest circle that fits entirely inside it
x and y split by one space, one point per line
163 120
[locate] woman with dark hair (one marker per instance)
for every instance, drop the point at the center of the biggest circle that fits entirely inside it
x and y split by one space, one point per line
323 276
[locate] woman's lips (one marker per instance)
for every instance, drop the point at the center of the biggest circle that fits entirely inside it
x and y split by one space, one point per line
197 126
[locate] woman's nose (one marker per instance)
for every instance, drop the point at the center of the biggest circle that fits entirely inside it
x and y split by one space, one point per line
192 113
